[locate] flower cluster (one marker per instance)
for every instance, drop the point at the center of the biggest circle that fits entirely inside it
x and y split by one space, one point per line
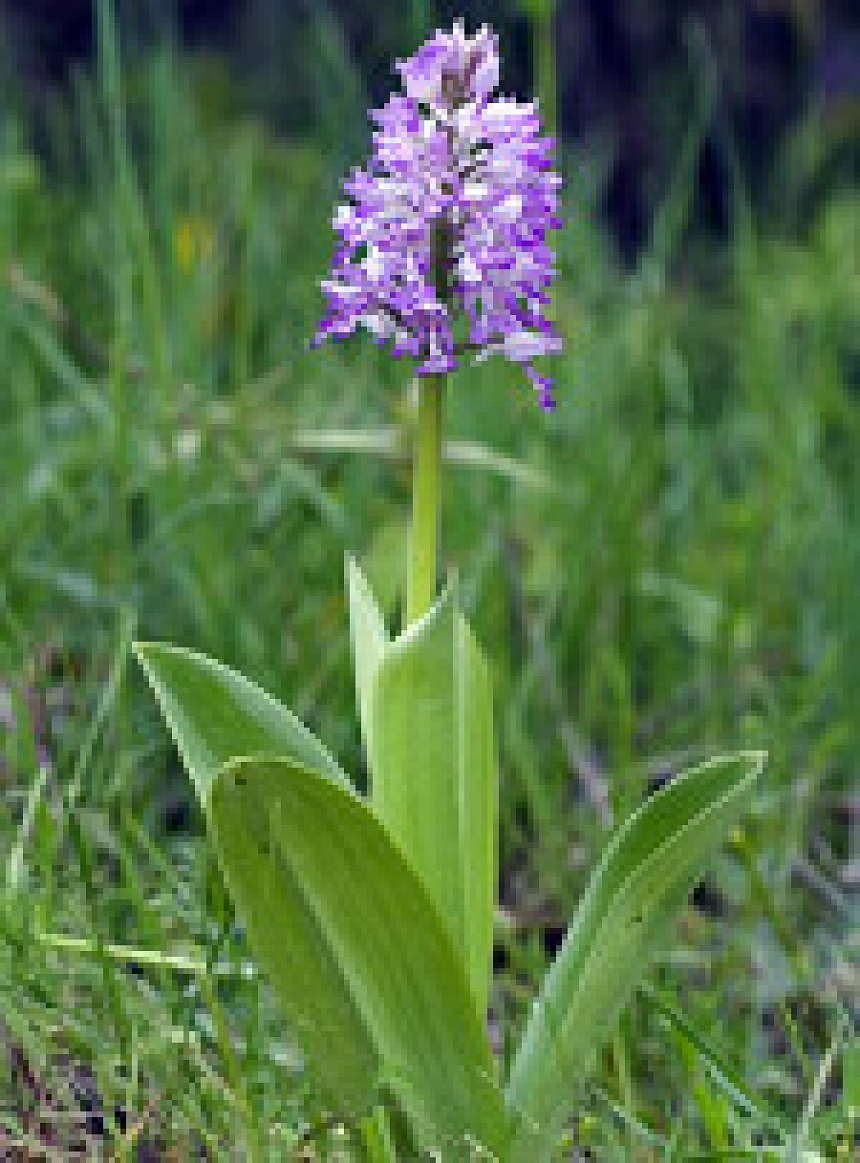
443 241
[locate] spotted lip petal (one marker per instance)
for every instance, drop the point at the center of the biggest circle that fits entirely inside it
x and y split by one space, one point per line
450 159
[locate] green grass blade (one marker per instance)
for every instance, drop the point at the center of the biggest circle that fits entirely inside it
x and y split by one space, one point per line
389 444
15 861
69 376
814 1099
724 1074
644 877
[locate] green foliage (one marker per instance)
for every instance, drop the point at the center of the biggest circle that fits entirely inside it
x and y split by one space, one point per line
368 978
372 983
432 760
685 587
425 1043
642 881
216 715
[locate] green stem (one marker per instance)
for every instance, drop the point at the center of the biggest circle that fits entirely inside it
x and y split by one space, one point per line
423 19
546 77
426 494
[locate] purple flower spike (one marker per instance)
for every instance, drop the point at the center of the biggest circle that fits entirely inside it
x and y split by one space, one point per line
448 221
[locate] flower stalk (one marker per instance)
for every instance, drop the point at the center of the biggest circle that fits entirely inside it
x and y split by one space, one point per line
426 498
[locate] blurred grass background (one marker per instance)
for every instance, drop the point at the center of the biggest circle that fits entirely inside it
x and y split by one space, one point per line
663 569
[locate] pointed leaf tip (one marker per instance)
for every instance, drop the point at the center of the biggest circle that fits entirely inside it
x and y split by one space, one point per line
640 884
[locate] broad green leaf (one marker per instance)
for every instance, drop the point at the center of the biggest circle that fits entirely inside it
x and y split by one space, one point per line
345 929
435 783
216 715
369 640
479 807
316 959
645 876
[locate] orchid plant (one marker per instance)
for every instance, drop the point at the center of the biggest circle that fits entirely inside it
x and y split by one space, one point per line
373 916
